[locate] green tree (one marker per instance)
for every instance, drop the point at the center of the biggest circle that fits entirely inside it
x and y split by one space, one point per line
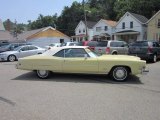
70 17
143 7
43 21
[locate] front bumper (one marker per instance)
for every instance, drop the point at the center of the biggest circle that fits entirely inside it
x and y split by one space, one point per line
3 58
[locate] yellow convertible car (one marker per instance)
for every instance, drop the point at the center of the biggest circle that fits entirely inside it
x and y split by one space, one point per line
80 59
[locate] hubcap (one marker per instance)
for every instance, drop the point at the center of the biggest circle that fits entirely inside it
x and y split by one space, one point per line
11 58
120 73
42 72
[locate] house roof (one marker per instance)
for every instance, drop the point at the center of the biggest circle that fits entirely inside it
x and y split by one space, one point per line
27 34
141 18
5 35
153 16
110 22
90 24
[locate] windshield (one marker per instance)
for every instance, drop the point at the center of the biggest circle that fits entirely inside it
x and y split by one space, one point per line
92 53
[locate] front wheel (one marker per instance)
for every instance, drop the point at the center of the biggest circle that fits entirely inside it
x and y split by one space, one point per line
43 74
11 58
119 74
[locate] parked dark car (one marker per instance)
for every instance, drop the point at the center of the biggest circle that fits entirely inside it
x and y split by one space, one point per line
3 43
11 46
147 50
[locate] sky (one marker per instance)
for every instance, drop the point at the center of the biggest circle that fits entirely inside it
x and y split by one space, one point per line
24 10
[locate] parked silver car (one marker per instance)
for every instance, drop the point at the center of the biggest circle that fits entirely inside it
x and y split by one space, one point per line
112 47
19 52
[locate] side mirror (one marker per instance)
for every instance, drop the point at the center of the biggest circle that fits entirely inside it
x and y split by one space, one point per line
19 50
85 56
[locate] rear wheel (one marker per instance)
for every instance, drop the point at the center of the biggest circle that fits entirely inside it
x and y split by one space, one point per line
119 73
43 73
11 58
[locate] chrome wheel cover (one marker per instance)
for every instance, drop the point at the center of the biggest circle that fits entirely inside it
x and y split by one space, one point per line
42 73
120 73
12 58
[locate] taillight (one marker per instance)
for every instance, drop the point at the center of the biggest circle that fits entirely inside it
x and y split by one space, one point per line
93 48
107 50
150 49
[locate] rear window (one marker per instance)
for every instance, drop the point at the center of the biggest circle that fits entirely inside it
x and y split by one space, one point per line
117 44
139 44
102 44
92 43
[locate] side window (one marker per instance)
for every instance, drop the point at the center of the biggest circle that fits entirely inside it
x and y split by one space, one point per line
113 44
121 44
155 44
75 52
32 48
59 54
24 48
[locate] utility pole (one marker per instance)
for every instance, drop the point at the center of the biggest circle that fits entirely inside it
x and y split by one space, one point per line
85 19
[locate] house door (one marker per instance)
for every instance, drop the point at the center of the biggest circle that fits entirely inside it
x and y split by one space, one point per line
61 40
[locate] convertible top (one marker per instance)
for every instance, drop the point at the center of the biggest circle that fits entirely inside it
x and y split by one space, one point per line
54 50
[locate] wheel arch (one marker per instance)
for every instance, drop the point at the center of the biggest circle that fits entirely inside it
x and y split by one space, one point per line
128 68
114 52
11 55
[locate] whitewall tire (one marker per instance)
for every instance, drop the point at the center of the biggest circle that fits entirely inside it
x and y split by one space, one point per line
43 74
119 74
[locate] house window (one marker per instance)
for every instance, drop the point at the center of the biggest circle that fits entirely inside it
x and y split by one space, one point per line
84 30
106 28
158 23
79 31
98 29
123 25
131 24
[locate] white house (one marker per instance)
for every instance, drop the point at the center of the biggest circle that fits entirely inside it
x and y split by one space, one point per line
131 27
83 30
104 29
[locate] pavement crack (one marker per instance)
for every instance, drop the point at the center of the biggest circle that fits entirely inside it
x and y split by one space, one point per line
7 101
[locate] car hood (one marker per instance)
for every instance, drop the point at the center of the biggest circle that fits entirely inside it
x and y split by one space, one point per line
9 52
119 57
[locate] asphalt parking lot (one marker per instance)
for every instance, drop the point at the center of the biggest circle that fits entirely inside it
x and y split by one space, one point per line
78 97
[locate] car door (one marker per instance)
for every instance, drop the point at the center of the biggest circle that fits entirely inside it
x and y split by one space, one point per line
124 48
75 62
23 52
32 50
